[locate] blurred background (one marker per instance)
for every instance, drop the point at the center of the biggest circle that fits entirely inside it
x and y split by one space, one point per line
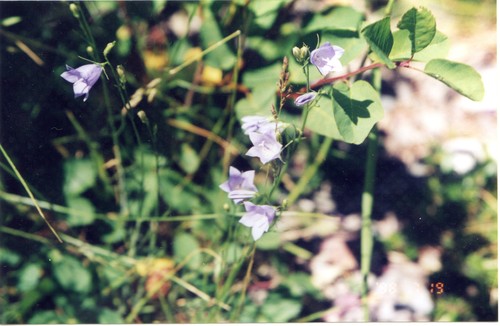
435 213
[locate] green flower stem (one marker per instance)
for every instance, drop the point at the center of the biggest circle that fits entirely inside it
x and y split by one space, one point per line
25 185
114 135
388 7
367 206
310 172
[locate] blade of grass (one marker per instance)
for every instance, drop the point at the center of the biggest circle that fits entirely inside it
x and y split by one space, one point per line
26 187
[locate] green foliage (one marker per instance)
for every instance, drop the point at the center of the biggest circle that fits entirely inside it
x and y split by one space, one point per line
422 27
461 77
139 205
348 114
71 274
185 245
379 37
339 18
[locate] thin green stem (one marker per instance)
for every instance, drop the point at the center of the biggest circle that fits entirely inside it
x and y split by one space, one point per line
204 52
388 7
367 206
310 171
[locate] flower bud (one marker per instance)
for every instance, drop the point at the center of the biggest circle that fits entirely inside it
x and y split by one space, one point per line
109 47
74 10
121 74
90 50
284 204
301 54
142 115
304 52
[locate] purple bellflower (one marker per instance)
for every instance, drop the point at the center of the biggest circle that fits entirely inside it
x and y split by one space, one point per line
326 58
240 185
305 98
258 217
83 78
265 146
256 123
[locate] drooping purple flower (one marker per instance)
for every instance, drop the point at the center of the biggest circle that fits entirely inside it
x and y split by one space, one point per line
240 185
326 58
258 217
265 146
260 124
305 98
83 78
256 123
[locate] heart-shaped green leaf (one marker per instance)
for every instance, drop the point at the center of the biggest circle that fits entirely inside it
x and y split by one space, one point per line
355 111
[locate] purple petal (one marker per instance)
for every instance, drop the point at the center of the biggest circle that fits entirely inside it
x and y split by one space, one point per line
258 217
305 98
326 58
240 185
266 147
83 78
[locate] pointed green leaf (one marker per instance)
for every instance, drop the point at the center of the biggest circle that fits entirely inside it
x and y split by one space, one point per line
355 111
421 25
379 37
461 77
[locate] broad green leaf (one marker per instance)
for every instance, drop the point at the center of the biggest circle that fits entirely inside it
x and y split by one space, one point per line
263 85
29 277
108 316
222 57
278 309
8 257
421 25
401 50
84 207
46 317
438 48
184 245
340 18
379 37
461 77
355 111
265 11
266 75
79 176
189 160
72 275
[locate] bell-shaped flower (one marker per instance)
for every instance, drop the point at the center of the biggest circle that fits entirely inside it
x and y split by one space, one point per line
83 78
326 58
240 185
260 124
305 98
258 217
265 146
